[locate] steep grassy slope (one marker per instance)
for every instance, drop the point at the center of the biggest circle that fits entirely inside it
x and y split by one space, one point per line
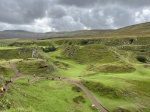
138 30
127 91
45 96
13 54
5 70
39 68
89 54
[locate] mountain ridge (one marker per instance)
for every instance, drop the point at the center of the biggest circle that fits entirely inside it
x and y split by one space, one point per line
137 30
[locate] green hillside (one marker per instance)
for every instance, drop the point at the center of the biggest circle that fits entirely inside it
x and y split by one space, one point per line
115 71
138 30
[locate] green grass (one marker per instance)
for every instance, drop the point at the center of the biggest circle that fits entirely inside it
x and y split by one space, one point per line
116 80
13 54
40 68
132 89
6 71
4 48
111 68
6 42
107 66
93 53
45 96
63 67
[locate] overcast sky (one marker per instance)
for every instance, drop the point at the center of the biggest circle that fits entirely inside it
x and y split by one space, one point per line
70 15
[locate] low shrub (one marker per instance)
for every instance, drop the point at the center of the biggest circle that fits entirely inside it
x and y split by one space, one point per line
49 49
141 59
142 50
76 89
131 41
79 99
116 69
102 89
4 103
119 109
84 42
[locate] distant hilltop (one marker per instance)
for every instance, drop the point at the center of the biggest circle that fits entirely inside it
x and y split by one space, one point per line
138 30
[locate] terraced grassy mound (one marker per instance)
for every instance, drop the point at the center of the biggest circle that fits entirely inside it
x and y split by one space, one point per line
111 68
89 54
5 71
136 51
14 54
127 91
40 68
102 90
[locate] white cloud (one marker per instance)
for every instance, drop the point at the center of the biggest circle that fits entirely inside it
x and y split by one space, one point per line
142 15
36 27
42 24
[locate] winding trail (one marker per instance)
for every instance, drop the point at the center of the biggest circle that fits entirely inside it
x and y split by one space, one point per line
89 95
18 76
79 84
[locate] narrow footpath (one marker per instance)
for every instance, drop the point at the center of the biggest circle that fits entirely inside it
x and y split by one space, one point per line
87 92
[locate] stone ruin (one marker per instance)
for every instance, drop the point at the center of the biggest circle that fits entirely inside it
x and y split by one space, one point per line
121 47
35 53
22 50
128 40
132 41
25 50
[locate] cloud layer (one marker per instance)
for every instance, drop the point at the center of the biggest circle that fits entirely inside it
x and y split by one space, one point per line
69 15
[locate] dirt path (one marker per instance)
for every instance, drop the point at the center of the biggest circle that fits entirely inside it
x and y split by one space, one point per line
18 76
17 72
7 84
86 91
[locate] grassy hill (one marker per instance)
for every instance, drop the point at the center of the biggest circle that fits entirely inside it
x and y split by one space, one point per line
138 30
116 71
9 34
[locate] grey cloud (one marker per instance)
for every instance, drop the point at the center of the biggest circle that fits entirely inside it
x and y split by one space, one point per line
66 23
78 3
66 15
91 3
93 19
121 16
56 12
97 18
22 11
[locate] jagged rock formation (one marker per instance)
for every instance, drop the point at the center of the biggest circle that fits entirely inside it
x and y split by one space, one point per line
35 53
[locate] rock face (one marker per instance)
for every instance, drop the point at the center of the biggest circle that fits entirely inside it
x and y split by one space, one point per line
35 53
132 41
23 50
